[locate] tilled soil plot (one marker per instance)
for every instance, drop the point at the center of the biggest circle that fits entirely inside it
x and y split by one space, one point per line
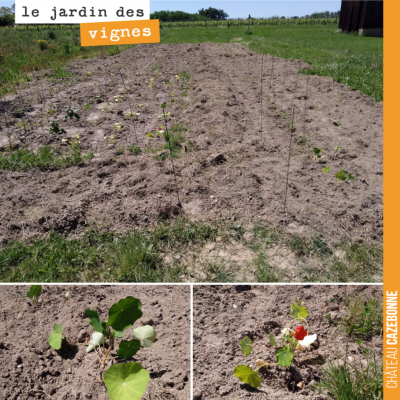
231 168
30 369
223 315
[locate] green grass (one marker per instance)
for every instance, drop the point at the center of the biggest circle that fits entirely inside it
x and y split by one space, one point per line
352 382
133 257
22 53
364 318
44 159
350 59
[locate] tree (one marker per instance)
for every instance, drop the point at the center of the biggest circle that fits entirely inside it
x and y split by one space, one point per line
7 16
213 13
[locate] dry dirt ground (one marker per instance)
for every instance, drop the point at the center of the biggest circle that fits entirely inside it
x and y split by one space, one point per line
232 169
30 369
218 327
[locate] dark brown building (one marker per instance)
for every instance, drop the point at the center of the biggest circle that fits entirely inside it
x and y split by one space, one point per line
363 16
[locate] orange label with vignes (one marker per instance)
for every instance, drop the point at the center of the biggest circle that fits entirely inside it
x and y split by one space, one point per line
120 32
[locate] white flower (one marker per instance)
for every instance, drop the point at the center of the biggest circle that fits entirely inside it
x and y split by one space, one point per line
97 337
287 331
68 295
306 342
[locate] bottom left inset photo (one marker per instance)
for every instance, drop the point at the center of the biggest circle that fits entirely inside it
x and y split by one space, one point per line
78 342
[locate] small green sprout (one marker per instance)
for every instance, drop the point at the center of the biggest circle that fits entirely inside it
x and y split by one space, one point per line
72 113
34 292
336 122
118 126
55 127
326 169
342 175
317 152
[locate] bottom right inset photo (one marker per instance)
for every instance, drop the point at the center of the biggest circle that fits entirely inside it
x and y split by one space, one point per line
288 342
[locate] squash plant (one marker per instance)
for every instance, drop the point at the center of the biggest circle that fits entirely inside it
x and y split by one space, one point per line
291 343
125 381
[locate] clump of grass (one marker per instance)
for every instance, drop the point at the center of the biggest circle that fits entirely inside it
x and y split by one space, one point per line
352 382
303 246
365 317
134 149
175 138
361 262
136 256
265 272
44 159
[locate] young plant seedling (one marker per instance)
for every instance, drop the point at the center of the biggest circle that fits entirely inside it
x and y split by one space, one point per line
118 126
126 381
342 175
291 343
318 153
34 292
72 113
132 115
55 127
336 122
134 149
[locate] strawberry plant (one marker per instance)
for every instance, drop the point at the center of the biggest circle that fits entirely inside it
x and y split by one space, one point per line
291 342
128 380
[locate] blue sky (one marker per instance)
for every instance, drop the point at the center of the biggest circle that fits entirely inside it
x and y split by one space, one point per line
241 9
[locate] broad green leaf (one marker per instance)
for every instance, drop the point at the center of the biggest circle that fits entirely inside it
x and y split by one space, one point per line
298 312
126 381
95 320
245 346
358 342
326 169
272 339
34 291
351 177
146 334
317 150
55 338
118 334
285 357
128 348
123 314
163 105
247 375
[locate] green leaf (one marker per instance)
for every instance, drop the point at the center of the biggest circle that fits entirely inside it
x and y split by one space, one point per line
337 148
119 334
55 338
298 312
351 177
128 348
34 291
358 342
317 150
146 334
326 169
123 314
341 175
247 375
245 346
163 105
95 320
272 339
285 356
126 381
